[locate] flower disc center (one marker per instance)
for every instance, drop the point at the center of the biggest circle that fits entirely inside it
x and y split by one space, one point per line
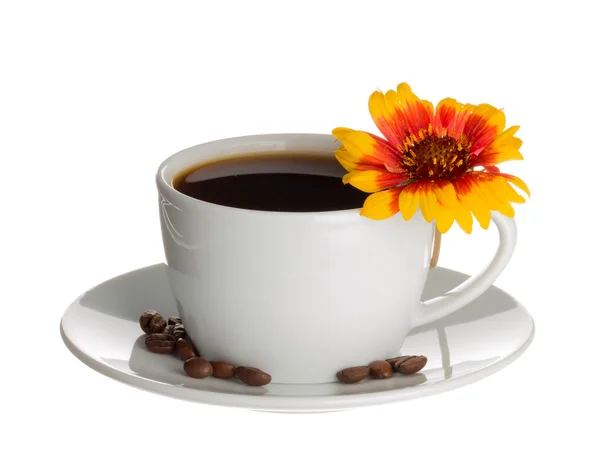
436 158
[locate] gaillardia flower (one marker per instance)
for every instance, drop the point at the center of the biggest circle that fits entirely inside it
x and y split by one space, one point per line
443 162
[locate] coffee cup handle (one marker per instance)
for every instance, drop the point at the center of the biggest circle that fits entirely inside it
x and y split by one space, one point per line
465 293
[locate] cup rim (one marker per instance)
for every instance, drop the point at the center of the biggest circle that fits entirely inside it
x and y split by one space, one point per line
165 186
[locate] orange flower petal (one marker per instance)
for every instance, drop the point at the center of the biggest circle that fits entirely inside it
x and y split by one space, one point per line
512 195
373 180
381 205
436 199
340 132
504 148
495 191
491 169
470 195
445 193
418 113
517 182
482 126
506 209
450 117
388 118
351 163
347 161
497 188
427 200
378 108
409 200
400 114
444 218
445 114
464 218
489 191
369 149
503 190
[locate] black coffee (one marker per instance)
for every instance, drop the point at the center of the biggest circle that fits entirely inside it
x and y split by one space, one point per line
294 183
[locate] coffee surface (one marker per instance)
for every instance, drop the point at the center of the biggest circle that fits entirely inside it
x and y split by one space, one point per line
292 183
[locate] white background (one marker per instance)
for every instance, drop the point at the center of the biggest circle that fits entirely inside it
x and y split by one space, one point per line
94 95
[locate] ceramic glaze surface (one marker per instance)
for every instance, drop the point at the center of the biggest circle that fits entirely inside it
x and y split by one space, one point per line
299 295
463 347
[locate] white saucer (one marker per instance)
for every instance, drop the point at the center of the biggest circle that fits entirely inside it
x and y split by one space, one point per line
101 329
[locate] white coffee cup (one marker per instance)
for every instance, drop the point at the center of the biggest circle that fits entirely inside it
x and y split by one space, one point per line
300 295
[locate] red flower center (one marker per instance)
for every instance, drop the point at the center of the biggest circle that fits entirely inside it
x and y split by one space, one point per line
436 158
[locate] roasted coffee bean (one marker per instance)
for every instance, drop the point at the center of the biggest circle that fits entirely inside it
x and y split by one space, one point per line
173 320
152 322
252 376
381 370
393 361
160 343
198 367
176 330
222 369
411 364
397 360
185 349
353 374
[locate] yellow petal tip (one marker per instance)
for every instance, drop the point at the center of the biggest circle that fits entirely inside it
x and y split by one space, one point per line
341 132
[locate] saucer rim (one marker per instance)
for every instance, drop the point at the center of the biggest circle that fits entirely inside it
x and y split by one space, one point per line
287 403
